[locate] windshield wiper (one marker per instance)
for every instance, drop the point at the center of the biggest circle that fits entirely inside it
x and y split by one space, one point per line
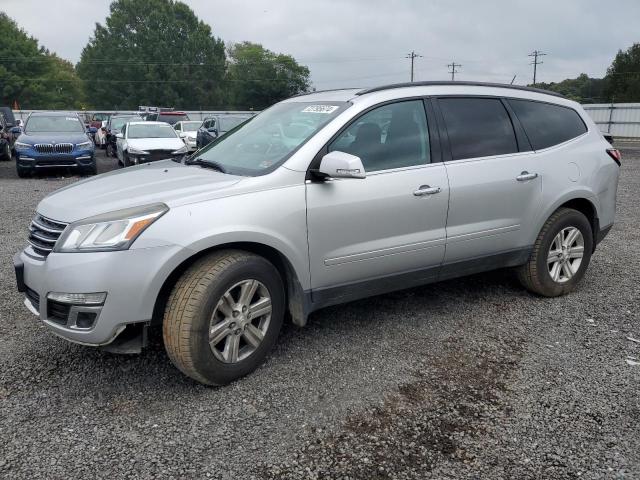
207 164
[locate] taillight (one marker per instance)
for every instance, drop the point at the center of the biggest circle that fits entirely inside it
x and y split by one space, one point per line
615 154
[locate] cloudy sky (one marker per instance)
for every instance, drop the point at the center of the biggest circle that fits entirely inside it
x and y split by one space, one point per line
364 42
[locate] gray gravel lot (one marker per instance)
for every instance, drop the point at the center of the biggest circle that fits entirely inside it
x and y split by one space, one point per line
470 378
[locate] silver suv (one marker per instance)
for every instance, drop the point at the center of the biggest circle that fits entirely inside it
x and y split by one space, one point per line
319 200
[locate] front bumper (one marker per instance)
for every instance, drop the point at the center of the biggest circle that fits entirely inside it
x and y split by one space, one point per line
131 278
37 160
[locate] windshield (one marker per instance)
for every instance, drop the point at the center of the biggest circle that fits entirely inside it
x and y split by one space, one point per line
141 130
172 119
190 126
265 141
54 123
118 122
227 123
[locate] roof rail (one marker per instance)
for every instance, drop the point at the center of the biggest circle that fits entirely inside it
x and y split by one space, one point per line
324 91
444 83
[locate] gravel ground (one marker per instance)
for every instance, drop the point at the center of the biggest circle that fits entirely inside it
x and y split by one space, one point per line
470 378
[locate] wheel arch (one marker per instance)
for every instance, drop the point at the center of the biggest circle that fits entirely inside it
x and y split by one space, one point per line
297 303
584 204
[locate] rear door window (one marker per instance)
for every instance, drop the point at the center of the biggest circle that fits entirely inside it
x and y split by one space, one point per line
546 124
478 127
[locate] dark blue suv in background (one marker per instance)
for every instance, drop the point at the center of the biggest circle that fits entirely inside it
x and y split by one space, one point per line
54 139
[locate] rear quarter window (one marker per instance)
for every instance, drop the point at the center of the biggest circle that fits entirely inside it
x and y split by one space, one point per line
546 124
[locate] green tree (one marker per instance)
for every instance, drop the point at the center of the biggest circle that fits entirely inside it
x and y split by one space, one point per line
623 76
31 76
258 77
153 52
582 89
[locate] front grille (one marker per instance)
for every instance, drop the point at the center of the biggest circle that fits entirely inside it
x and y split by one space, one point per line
43 234
53 148
58 312
33 297
155 155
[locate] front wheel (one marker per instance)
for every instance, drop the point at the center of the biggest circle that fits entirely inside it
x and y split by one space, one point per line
5 153
560 255
125 160
224 316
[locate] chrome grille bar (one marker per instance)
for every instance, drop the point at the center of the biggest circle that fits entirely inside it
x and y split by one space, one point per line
44 233
51 148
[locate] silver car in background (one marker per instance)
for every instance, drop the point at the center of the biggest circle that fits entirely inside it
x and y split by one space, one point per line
319 200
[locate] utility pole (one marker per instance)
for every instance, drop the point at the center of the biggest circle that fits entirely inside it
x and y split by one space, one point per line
535 54
453 70
413 55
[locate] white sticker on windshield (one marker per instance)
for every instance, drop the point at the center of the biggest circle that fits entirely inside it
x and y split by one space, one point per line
71 119
320 109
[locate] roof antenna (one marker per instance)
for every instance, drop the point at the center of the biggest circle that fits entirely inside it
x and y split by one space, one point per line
513 79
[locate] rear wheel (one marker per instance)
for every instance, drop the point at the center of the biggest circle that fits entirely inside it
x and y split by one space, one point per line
223 316
110 152
560 256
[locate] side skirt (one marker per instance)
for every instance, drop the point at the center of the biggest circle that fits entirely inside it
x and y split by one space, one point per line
324 297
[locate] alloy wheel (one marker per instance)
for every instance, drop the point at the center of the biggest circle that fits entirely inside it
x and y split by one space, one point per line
240 321
565 254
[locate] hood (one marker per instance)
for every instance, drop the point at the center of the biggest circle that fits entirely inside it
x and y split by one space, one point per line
53 137
164 181
156 143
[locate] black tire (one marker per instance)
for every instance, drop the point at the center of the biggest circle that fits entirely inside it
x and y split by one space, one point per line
535 275
125 162
23 172
192 303
91 169
5 151
109 150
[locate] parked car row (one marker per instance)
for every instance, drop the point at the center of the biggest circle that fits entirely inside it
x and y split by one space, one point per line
68 139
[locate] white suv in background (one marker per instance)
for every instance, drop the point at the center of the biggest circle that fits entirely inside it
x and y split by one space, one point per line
319 200
188 131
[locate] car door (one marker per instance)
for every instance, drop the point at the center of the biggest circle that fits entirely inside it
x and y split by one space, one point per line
494 181
386 231
200 135
120 141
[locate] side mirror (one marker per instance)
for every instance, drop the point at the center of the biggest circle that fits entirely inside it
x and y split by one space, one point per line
338 164
119 135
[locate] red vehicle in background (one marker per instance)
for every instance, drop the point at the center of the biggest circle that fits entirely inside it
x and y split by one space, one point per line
98 118
162 114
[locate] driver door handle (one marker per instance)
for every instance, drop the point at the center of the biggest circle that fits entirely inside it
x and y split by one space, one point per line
426 190
524 176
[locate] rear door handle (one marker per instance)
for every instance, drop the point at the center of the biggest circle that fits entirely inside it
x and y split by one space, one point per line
426 190
524 176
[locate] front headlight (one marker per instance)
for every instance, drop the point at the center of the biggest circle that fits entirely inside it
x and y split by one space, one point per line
19 146
137 151
109 231
182 149
84 145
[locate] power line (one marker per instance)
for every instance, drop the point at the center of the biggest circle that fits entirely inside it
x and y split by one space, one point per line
535 54
453 70
413 55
